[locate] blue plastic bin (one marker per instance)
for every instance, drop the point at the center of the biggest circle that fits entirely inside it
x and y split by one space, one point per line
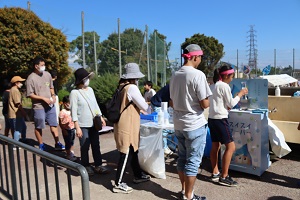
151 117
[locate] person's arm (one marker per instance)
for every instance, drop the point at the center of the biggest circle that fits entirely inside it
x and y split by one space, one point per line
53 95
137 98
204 103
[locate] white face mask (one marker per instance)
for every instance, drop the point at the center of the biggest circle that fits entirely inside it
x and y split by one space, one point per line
86 82
42 68
20 85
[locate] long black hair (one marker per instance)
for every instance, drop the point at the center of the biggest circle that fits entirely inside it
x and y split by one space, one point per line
218 71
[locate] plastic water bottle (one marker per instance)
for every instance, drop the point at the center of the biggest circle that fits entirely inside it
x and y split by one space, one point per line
170 110
160 117
166 117
244 85
277 91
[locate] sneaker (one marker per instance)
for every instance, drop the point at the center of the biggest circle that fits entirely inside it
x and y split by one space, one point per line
71 157
182 196
42 147
227 181
15 148
168 151
143 178
196 197
89 170
215 178
59 146
101 170
122 188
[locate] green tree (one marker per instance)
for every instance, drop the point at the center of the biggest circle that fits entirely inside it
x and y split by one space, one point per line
23 36
76 47
212 51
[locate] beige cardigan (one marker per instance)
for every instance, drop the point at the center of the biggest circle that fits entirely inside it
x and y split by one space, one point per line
127 130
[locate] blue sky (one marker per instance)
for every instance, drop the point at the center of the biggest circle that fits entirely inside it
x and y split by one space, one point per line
276 22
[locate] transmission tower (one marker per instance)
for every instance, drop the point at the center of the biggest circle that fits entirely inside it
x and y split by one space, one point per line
252 52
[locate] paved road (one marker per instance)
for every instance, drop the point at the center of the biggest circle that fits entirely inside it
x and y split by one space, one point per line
278 182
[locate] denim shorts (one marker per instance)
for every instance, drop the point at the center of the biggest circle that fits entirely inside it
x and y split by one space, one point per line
191 146
45 115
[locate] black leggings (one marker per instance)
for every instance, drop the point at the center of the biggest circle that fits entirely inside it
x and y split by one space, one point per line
122 165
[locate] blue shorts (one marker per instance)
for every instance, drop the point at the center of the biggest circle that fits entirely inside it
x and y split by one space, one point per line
220 131
45 115
191 146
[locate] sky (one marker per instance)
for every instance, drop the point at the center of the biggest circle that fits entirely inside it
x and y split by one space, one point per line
276 23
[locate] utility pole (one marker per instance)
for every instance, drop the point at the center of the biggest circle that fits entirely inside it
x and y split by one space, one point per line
165 66
155 57
95 53
28 5
293 62
120 62
237 63
275 60
148 57
83 47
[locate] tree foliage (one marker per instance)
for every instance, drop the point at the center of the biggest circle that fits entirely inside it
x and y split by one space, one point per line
212 51
76 47
23 35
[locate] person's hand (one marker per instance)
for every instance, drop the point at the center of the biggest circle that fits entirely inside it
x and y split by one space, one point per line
48 101
0 127
103 121
54 99
243 92
79 132
143 112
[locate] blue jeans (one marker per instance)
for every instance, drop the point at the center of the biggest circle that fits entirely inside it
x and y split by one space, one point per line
19 127
191 146
90 137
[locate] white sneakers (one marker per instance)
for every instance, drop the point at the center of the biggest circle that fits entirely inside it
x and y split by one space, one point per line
122 188
168 151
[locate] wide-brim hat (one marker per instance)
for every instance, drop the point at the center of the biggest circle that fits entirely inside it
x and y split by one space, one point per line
17 79
81 74
132 71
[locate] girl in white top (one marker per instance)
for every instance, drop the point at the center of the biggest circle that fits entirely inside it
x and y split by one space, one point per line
220 103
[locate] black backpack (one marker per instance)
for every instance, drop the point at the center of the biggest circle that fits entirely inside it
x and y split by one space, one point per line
113 107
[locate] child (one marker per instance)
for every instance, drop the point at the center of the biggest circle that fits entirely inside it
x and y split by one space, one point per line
220 102
149 92
67 127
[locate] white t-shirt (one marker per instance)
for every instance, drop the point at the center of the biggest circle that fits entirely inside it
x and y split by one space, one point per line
135 95
221 100
188 86
149 94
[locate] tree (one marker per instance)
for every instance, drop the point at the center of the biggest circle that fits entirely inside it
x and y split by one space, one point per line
212 51
76 47
23 36
131 46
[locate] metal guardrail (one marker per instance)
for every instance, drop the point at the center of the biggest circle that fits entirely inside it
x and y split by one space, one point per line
13 168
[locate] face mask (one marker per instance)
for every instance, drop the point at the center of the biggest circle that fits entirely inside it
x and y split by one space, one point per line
86 82
42 69
20 85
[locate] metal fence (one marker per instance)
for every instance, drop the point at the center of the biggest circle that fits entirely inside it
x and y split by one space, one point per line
29 173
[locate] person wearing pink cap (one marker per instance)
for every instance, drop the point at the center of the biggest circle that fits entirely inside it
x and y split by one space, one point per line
189 92
220 102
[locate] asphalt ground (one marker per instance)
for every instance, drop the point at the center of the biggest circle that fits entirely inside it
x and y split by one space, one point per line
280 181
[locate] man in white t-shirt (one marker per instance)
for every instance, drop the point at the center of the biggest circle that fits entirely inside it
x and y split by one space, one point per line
189 92
149 91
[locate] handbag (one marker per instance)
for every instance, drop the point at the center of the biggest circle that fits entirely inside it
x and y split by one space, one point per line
96 119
